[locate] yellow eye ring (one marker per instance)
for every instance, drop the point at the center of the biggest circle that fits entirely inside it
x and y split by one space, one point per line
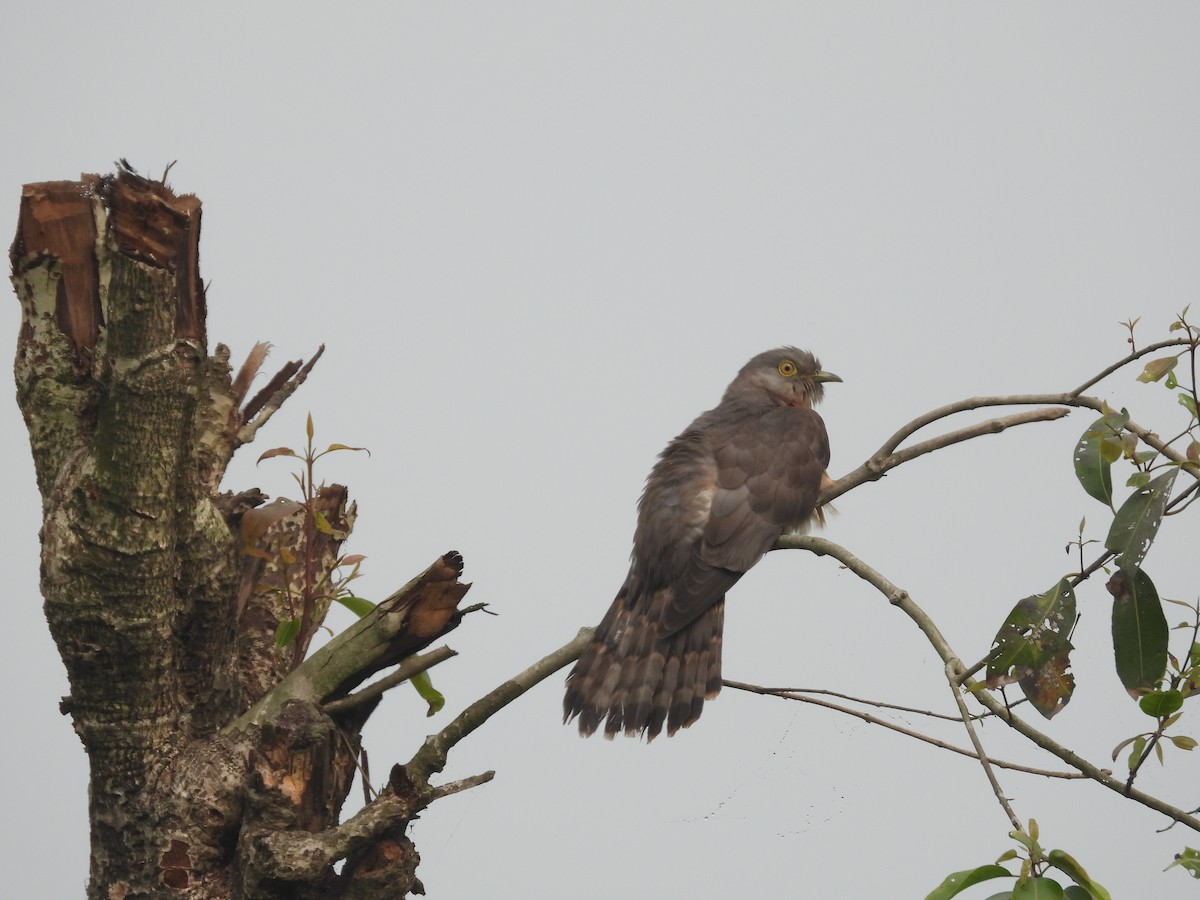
787 368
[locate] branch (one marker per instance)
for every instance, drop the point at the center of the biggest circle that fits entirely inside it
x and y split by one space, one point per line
1176 342
802 693
901 599
403 624
412 666
887 457
266 403
432 755
980 753
892 726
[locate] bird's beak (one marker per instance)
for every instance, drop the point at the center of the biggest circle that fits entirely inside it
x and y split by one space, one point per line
825 376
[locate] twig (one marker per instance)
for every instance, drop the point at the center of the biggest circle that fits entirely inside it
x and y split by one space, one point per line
790 693
414 665
888 457
432 755
463 784
981 754
1175 342
267 402
901 599
908 732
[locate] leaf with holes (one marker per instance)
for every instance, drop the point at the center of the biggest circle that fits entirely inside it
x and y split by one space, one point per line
1098 448
1137 520
1188 860
1157 368
1032 648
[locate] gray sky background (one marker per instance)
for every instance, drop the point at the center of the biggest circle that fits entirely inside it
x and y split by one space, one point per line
538 238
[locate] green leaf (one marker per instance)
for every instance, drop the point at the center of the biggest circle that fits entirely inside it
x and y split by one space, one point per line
957 882
357 605
1064 862
1183 742
1135 755
1098 447
1138 479
1075 892
428 692
1157 368
1187 402
1188 860
1161 704
1032 648
1025 839
1139 631
1038 889
1138 519
1125 743
286 631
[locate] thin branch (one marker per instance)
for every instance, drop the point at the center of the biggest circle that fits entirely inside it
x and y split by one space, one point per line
887 457
1175 342
414 665
980 753
432 755
267 402
1103 776
463 784
790 693
901 599
786 694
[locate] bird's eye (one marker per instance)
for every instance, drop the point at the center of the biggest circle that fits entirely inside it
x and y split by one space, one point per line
787 368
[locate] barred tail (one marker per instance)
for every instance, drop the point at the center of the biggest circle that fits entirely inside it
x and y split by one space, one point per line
632 680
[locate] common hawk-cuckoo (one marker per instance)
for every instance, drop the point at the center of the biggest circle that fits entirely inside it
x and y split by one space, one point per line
719 496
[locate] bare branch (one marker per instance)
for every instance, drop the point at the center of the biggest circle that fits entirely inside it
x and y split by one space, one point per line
980 753
463 784
901 599
887 457
432 755
267 402
800 693
414 665
900 729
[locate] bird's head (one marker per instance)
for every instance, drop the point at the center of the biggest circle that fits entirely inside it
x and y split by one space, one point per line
782 377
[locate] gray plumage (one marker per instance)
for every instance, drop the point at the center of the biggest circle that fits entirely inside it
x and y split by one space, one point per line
719 496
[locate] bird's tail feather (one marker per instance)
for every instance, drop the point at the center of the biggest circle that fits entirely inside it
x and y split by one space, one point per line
632 680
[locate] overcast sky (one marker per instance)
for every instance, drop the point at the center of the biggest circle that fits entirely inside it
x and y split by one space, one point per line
538 239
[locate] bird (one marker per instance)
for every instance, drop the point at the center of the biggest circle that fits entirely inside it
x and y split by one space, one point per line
717 499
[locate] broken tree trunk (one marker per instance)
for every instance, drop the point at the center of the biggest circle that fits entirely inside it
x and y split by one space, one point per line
216 770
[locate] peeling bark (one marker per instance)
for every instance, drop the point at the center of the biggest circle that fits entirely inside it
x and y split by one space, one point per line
216 772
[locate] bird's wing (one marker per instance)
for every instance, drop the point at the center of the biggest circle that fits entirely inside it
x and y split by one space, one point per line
767 476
